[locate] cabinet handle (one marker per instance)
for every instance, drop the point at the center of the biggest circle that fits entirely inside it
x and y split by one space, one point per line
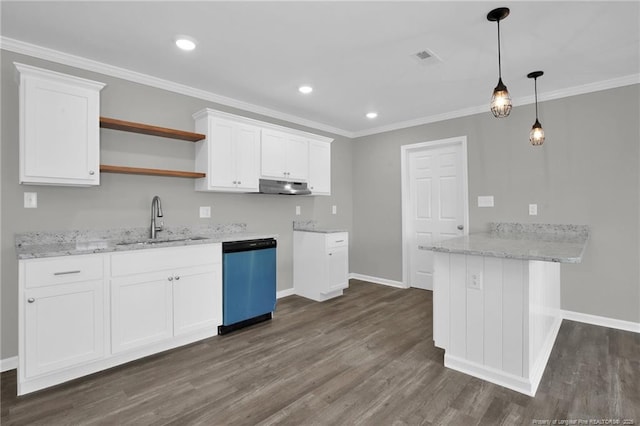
170 278
91 172
339 241
177 277
67 272
31 300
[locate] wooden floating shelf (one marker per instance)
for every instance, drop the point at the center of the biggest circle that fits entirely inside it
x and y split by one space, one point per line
150 172
145 129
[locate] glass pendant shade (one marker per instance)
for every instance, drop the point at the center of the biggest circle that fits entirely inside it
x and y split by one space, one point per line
536 136
501 101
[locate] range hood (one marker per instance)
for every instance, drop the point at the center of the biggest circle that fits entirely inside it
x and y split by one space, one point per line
268 186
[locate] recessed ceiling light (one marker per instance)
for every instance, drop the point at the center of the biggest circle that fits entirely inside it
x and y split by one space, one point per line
305 89
185 43
372 115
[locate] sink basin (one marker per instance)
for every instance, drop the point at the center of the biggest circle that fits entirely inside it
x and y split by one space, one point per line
159 241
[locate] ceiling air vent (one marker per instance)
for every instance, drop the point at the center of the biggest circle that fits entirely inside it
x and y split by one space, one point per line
426 57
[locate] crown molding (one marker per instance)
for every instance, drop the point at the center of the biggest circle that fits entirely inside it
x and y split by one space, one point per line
44 53
525 100
57 56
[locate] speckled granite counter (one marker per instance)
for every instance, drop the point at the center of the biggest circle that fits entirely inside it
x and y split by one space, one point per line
551 243
30 245
312 226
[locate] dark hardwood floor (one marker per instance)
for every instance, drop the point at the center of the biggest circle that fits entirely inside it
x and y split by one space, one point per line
364 358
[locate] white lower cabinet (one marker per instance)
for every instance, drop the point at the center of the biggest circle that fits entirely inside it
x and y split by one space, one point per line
320 264
141 311
63 326
82 314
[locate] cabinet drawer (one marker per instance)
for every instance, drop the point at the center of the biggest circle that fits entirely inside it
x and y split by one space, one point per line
338 239
161 259
69 269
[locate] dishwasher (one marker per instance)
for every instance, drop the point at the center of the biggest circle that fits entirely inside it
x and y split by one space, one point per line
248 283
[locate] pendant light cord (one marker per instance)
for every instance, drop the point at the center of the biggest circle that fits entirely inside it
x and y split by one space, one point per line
535 86
499 57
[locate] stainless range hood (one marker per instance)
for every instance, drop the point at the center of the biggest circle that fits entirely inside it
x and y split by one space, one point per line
268 186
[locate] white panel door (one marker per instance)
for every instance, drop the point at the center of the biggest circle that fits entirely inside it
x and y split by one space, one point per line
141 310
64 326
320 168
247 147
273 162
297 158
222 172
436 206
197 299
338 269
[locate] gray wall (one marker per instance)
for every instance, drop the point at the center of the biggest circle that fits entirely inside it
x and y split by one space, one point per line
124 200
586 173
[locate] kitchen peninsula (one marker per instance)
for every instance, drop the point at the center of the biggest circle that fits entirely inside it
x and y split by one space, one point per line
496 299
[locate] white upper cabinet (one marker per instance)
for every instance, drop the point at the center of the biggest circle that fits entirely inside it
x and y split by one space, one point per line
59 128
320 168
284 156
229 155
238 151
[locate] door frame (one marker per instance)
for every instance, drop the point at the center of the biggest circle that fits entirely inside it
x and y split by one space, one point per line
405 151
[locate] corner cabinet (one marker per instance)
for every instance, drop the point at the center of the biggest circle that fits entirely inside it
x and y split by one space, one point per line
59 128
320 264
238 151
229 155
86 313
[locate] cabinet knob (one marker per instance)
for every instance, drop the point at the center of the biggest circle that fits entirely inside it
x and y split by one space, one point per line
460 227
239 183
170 278
31 300
234 182
330 254
91 172
177 277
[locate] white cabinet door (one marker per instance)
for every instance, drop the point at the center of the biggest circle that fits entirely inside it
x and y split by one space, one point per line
273 162
320 168
197 293
297 152
246 153
59 128
64 326
338 269
141 310
222 169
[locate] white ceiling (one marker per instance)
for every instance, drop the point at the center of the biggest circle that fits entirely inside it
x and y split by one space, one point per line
356 55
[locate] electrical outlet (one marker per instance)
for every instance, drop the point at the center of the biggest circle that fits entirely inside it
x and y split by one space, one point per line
205 211
334 209
30 200
298 210
474 280
533 209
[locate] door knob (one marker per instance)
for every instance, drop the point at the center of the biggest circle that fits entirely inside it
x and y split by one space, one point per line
460 227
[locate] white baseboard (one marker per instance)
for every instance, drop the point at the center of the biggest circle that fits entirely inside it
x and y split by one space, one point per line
376 280
8 364
601 321
285 293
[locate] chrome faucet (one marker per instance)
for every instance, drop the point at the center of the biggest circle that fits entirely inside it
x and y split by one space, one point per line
156 211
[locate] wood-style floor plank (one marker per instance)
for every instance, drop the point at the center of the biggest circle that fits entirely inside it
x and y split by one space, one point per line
366 358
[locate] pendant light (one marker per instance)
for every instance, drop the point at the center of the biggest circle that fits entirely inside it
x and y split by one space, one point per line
500 101
536 137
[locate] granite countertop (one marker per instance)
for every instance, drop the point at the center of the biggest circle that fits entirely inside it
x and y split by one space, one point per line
550 243
31 245
312 226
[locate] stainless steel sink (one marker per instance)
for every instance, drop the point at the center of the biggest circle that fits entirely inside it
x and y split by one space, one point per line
159 241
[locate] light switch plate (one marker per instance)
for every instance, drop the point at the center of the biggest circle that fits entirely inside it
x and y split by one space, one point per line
533 209
334 209
298 210
485 201
205 211
30 200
